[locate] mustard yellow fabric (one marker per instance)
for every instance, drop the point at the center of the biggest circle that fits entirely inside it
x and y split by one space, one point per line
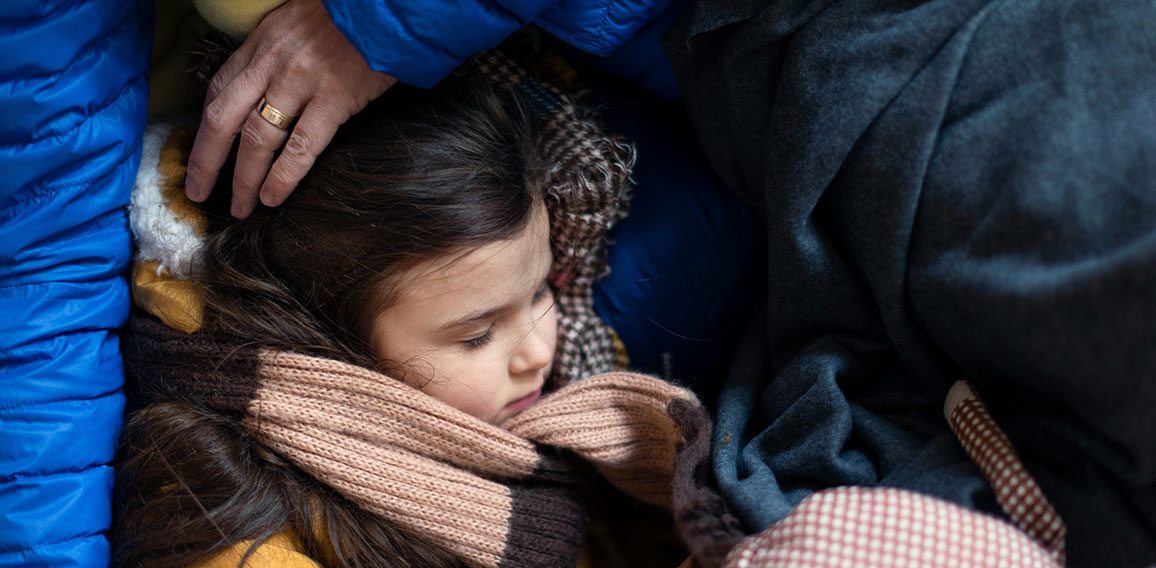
178 303
234 17
284 551
281 551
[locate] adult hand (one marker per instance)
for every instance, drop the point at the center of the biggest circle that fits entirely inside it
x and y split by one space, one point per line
299 61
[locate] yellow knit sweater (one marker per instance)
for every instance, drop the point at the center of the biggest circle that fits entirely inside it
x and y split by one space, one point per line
235 18
282 550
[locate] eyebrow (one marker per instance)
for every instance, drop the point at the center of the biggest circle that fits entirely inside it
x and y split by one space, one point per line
488 313
476 317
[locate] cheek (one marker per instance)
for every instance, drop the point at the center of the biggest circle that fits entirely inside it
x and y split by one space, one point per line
551 323
467 385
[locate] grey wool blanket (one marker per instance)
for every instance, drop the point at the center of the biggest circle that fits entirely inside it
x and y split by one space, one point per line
953 189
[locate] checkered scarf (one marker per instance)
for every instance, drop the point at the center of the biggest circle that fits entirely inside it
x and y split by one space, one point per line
586 186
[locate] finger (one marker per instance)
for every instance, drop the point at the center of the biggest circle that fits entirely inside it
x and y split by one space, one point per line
314 131
260 140
312 134
204 165
230 70
220 123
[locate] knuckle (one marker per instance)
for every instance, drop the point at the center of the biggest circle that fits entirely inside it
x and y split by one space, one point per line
214 116
298 146
255 134
216 86
277 182
299 69
327 84
263 63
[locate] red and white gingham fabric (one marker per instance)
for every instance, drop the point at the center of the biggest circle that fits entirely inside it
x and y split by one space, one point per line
886 527
1017 492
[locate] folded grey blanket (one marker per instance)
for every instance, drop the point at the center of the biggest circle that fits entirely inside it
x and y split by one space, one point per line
953 189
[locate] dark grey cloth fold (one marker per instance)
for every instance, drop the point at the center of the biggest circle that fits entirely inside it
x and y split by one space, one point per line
954 189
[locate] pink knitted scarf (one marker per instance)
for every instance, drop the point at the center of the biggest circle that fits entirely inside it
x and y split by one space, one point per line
494 496
509 496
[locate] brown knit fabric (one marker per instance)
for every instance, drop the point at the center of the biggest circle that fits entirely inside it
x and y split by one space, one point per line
617 421
423 464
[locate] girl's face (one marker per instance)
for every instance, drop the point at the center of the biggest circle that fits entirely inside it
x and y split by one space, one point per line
478 331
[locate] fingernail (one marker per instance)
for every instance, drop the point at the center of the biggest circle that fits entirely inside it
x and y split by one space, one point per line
192 191
235 209
269 199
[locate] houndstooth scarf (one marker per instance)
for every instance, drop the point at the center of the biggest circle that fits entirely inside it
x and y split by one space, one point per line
587 191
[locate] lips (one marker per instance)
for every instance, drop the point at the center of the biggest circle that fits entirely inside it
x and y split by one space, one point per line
524 402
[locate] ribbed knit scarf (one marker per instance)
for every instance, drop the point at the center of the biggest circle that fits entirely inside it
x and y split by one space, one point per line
510 496
494 496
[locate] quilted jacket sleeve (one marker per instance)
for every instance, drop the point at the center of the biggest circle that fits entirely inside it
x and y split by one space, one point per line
73 96
422 42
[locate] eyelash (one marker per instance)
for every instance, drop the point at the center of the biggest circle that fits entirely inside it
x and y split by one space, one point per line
481 340
485 338
543 291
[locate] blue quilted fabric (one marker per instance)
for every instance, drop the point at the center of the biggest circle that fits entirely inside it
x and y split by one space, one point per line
73 92
422 42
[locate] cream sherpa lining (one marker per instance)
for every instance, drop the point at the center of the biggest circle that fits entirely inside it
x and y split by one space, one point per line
162 236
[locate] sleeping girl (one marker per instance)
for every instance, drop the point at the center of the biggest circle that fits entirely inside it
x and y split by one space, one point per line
385 370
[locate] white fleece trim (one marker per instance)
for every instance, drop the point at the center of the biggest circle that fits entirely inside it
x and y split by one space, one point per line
160 236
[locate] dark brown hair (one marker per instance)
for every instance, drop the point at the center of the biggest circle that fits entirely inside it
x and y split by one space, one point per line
416 175
419 175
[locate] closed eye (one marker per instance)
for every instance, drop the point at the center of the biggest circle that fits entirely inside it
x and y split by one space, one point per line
543 291
481 340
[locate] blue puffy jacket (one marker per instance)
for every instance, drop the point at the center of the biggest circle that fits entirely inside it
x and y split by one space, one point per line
73 96
422 42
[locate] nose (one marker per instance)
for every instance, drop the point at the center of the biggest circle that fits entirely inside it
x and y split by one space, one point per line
534 352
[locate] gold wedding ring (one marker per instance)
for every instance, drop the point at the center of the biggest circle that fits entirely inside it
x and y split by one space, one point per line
274 116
